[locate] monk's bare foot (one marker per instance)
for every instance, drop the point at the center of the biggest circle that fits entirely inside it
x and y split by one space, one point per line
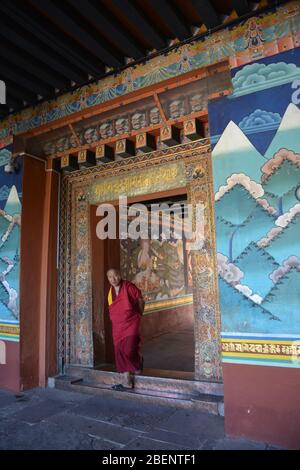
128 380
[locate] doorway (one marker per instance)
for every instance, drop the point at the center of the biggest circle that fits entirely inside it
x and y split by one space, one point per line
161 268
186 170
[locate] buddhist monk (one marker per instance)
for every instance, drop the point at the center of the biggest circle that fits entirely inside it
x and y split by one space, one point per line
126 306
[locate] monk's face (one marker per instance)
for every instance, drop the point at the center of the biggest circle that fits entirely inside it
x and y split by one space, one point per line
114 277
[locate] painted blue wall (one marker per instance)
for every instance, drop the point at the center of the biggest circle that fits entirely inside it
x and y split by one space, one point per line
10 212
256 167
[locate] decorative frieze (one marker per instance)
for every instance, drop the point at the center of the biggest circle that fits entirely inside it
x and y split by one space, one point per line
69 163
170 135
104 154
124 148
145 142
86 158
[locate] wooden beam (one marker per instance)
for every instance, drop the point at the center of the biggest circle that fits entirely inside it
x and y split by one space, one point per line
113 31
68 25
242 7
45 33
169 15
155 129
74 134
17 37
207 13
137 95
158 103
145 27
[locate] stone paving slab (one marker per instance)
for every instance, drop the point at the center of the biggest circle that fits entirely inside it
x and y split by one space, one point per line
238 444
189 442
197 423
40 411
123 412
12 405
45 436
57 394
106 431
144 443
6 398
56 419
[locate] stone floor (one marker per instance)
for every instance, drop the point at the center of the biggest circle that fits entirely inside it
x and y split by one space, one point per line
56 419
170 351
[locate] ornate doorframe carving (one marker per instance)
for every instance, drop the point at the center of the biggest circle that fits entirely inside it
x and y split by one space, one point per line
187 165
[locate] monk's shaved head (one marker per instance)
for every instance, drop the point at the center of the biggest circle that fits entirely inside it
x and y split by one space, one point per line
113 270
114 277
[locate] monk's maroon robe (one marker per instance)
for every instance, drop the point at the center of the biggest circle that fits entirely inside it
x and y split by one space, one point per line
126 318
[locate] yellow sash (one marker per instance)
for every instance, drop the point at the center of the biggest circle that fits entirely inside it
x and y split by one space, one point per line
110 299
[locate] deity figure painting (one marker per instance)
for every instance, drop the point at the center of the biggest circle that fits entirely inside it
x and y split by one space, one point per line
122 125
160 268
176 109
138 120
106 130
154 116
90 135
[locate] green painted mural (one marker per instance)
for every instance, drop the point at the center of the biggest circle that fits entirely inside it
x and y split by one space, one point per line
256 168
10 222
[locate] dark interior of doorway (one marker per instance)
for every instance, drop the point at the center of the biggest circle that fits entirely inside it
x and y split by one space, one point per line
168 335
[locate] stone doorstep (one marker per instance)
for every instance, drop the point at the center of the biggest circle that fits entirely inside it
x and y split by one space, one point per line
144 382
204 402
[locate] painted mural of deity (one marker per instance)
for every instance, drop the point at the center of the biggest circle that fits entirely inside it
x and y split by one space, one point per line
62 144
106 130
254 35
122 125
138 120
157 267
49 148
169 264
197 102
90 135
176 109
154 115
146 279
74 140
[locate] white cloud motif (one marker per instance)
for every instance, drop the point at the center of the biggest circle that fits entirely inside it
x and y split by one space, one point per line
5 156
249 293
264 203
255 189
260 120
228 271
263 242
254 77
244 289
256 298
274 163
286 218
291 262
282 222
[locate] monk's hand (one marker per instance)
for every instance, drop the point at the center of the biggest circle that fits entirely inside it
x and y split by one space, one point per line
141 304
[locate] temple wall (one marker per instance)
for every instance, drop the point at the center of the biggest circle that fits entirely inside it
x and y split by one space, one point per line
256 164
10 224
256 169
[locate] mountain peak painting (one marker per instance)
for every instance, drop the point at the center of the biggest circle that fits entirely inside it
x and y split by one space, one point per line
10 221
257 210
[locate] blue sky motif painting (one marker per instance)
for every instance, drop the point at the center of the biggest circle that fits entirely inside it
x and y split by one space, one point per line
10 222
256 168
